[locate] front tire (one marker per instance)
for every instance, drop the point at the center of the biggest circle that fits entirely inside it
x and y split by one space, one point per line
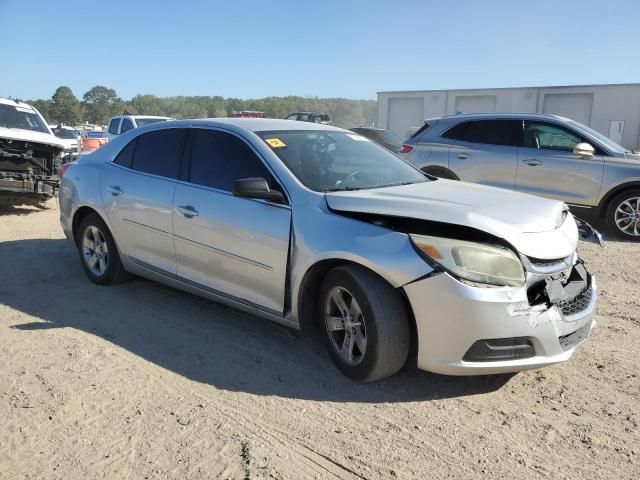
98 252
623 215
365 323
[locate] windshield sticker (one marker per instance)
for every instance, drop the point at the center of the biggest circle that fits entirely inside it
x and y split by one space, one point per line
358 138
275 142
24 110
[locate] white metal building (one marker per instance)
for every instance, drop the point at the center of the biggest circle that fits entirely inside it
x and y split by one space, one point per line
613 110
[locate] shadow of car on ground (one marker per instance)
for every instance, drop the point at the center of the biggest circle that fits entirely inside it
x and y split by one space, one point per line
195 338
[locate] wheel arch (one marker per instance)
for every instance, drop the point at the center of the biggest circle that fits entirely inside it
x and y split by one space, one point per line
79 215
603 205
309 290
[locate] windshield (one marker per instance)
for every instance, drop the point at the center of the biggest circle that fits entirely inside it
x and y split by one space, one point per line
66 133
141 122
610 144
333 161
22 118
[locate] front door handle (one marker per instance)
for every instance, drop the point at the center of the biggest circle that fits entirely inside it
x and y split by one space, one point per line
188 211
532 162
463 156
115 190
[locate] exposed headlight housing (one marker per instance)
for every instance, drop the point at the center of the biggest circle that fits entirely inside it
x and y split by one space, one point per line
476 262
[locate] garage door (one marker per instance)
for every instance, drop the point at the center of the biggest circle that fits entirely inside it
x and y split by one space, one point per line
405 115
476 104
576 106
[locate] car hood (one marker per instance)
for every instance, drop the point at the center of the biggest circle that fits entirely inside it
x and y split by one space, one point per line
535 226
30 136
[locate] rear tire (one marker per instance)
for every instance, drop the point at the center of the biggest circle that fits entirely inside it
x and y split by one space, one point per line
365 323
623 215
98 252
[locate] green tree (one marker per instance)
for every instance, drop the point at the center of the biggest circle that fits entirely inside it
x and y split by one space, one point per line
65 107
44 107
101 103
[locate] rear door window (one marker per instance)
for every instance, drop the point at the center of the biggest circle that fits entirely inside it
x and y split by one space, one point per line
160 152
113 126
492 132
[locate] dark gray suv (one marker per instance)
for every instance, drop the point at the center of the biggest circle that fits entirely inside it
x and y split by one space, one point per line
541 154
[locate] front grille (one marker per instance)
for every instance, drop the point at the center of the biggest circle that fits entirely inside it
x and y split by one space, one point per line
574 338
538 262
576 304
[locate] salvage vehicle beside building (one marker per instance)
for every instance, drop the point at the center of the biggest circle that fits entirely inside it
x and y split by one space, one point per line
30 155
303 224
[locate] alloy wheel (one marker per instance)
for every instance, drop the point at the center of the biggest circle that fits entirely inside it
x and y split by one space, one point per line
345 325
627 216
95 251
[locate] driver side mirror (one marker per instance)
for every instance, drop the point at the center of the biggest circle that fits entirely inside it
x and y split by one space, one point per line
584 150
256 187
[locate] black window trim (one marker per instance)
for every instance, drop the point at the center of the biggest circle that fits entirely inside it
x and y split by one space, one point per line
186 165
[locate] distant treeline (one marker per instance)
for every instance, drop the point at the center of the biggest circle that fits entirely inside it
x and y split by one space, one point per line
100 103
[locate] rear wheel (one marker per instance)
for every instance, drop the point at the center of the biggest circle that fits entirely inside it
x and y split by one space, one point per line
98 252
623 215
365 323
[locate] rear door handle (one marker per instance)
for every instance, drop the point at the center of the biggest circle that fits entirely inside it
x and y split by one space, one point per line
532 162
115 190
188 211
463 156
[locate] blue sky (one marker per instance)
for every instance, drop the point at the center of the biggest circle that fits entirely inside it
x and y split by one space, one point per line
253 49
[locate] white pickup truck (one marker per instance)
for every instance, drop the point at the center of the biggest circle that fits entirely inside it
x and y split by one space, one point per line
124 123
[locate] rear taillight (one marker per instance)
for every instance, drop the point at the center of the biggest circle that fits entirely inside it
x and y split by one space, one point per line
406 149
63 168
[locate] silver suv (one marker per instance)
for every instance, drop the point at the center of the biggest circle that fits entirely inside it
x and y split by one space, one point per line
541 154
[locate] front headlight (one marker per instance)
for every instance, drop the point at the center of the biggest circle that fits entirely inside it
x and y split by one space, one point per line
477 262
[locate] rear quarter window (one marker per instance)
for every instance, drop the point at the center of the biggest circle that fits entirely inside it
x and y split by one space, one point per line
421 130
113 126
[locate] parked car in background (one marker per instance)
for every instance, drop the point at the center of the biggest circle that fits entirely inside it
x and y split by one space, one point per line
302 223
546 155
71 139
30 154
313 117
247 114
382 137
123 123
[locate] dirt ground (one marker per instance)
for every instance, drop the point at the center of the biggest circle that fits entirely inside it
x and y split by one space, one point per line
143 381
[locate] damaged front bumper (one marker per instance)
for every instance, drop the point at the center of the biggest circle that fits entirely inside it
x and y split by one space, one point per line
470 330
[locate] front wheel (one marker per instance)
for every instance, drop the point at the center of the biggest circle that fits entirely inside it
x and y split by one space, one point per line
623 215
366 324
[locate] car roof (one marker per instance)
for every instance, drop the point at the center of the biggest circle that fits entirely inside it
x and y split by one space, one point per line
498 115
373 129
141 116
264 124
15 103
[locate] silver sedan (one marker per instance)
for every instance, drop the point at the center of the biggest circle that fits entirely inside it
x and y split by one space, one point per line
309 224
